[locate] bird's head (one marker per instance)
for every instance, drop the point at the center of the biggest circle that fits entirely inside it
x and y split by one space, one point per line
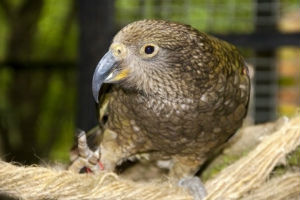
150 56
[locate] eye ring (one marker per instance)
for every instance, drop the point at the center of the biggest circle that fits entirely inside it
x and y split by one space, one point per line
149 50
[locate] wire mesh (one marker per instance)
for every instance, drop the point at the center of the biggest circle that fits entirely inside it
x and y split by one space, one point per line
233 17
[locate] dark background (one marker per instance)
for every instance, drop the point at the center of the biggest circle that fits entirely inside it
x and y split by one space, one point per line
49 49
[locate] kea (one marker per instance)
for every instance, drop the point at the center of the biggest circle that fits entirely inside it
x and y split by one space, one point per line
169 91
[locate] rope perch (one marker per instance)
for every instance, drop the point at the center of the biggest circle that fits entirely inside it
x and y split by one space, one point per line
245 179
43 183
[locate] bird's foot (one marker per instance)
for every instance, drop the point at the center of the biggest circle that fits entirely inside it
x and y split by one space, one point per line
194 186
84 157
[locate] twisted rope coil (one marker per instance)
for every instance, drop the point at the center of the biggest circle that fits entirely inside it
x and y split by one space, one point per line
245 179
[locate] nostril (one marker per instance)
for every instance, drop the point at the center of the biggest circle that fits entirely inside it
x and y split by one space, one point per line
118 50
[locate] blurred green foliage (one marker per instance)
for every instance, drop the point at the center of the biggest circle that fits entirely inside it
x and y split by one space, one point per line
3 35
6 116
58 114
53 92
218 16
56 35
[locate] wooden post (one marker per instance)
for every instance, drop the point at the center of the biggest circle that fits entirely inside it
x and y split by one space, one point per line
96 31
265 66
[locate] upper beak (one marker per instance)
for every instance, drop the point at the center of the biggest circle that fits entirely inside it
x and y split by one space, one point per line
103 73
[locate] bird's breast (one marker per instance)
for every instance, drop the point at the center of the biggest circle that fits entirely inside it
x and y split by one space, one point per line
170 124
167 124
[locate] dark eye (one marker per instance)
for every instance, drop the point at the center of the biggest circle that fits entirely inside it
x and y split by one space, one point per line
149 49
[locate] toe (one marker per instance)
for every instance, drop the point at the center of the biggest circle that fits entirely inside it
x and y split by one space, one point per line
194 186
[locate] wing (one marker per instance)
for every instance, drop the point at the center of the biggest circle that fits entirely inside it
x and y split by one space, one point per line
102 107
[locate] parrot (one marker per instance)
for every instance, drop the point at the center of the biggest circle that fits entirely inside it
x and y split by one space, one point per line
172 92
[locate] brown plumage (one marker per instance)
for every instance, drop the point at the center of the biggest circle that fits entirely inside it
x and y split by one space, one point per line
176 93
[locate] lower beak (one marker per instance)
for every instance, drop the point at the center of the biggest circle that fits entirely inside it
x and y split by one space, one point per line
103 72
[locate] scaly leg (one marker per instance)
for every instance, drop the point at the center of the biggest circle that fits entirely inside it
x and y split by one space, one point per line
109 153
184 169
85 157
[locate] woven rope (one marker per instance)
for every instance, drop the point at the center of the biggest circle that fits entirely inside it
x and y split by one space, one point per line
252 170
234 182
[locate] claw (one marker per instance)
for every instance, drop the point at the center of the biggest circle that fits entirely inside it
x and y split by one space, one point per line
95 157
88 170
194 186
85 158
83 148
101 165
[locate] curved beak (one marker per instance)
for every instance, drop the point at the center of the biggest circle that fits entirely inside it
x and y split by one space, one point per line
103 73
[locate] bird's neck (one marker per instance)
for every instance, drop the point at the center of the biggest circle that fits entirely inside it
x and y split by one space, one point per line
159 95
